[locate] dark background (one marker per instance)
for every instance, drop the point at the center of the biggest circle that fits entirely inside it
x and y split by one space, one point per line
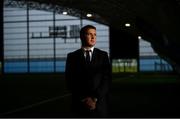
123 45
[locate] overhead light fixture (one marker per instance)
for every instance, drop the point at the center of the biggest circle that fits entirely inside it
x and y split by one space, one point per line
139 37
64 13
89 15
127 24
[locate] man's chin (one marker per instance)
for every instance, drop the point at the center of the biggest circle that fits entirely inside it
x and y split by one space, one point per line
90 45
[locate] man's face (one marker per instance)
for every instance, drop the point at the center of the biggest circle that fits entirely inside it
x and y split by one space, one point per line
90 37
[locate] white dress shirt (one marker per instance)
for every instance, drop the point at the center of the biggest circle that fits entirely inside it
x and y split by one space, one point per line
90 53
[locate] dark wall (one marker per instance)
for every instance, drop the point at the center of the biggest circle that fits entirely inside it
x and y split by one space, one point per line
123 45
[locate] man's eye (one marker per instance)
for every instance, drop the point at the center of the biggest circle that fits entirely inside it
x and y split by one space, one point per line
90 34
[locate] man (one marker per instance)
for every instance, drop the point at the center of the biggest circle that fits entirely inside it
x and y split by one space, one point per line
88 76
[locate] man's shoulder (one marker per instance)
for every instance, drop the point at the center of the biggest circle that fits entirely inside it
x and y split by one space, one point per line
100 51
74 52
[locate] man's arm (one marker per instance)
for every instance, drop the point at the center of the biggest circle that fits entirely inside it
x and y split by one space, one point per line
68 72
104 87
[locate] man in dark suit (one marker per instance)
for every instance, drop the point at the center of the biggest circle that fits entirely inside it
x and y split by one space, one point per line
88 76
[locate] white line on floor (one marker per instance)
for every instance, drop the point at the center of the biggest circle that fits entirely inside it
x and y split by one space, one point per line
36 104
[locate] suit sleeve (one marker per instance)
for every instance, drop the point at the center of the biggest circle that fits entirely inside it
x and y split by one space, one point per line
68 72
104 87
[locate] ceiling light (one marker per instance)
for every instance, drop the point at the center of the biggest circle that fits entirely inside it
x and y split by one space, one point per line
127 24
89 15
139 37
65 13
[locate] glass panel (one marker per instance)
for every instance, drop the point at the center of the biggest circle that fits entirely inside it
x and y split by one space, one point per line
149 60
48 44
15 40
17 66
41 48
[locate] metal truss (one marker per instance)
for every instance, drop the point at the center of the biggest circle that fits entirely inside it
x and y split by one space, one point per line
52 8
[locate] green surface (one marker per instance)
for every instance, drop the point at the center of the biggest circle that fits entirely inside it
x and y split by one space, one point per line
132 95
145 78
117 69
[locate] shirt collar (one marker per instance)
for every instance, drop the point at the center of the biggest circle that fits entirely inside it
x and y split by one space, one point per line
84 49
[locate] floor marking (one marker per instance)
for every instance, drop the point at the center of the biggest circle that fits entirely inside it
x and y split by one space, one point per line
35 104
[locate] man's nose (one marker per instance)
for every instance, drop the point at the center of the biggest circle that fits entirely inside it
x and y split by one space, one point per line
92 37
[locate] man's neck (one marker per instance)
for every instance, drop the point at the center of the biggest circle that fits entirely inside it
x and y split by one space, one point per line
88 48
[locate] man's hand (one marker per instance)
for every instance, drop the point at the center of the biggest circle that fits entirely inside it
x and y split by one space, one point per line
90 103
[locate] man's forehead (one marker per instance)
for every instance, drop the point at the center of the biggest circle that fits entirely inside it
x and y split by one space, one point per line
91 30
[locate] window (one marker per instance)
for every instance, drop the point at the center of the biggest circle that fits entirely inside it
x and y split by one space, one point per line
40 42
150 61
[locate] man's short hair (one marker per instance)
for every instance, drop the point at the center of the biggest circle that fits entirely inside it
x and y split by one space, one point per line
84 29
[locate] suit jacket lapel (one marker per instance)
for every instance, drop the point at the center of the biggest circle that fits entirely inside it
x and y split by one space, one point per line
82 58
93 60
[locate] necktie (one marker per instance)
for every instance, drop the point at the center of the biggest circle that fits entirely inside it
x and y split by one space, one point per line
87 56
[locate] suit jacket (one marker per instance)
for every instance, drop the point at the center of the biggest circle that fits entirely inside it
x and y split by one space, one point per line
89 80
